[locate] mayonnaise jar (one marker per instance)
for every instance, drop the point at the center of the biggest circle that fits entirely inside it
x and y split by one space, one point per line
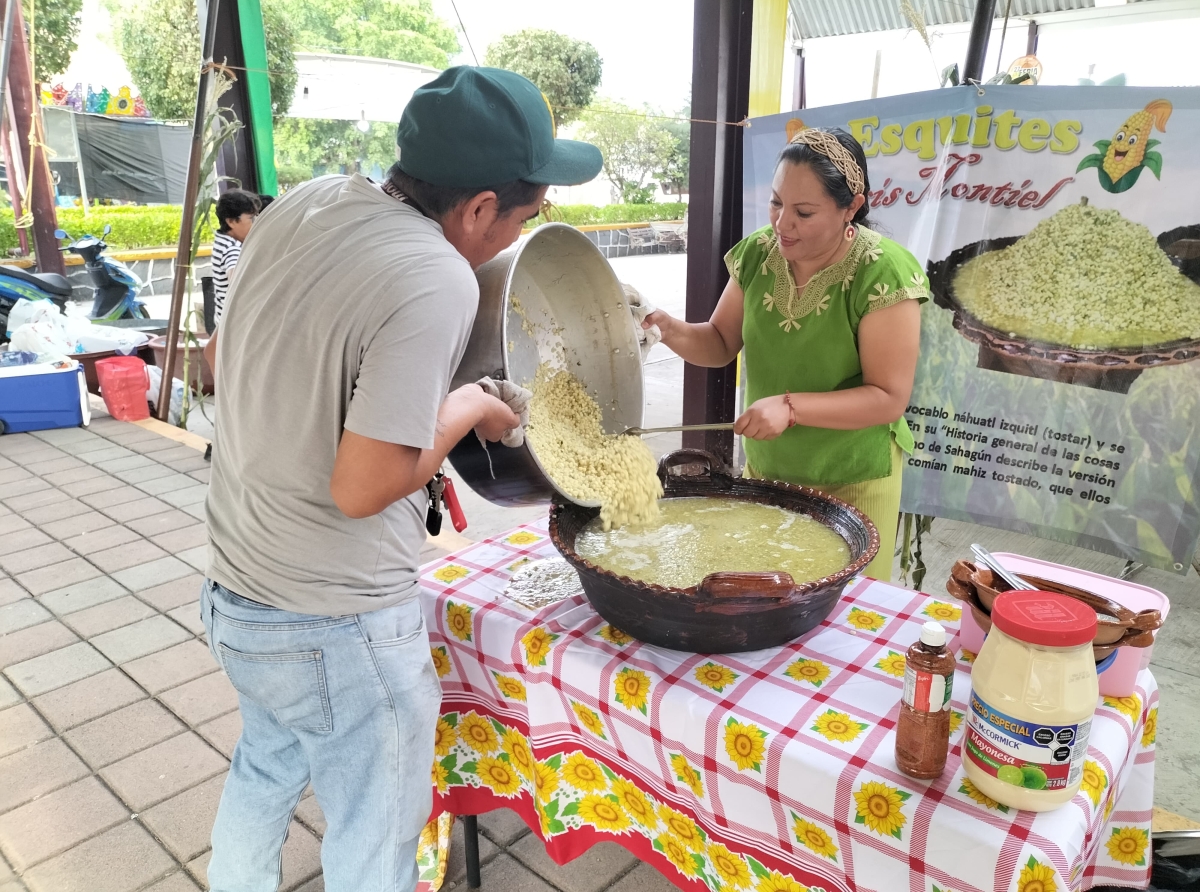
1033 695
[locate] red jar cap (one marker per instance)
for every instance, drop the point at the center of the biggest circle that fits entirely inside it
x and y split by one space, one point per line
1044 618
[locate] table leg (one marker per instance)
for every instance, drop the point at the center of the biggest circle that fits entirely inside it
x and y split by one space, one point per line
471 849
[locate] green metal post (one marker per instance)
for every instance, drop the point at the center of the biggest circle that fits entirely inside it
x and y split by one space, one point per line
258 89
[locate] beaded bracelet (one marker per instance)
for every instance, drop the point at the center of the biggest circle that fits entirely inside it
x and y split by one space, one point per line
787 398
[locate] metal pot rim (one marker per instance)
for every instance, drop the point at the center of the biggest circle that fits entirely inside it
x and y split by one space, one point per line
510 274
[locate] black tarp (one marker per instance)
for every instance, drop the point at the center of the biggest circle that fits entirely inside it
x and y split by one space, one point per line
127 159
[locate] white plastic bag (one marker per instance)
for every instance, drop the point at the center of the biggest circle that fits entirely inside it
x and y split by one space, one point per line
176 410
27 311
89 338
43 338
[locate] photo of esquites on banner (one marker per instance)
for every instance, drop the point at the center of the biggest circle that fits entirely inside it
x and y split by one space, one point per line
1088 296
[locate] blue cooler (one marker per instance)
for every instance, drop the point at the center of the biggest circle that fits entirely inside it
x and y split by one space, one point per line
43 396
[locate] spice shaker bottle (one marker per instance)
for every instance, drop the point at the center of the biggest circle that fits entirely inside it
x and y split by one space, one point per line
923 731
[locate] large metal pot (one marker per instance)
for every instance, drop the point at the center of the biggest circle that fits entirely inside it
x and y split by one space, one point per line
726 612
570 312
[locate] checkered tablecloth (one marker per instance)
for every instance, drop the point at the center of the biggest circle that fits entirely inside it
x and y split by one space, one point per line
770 771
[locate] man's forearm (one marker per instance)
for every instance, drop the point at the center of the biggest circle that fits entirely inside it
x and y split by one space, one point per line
369 475
457 417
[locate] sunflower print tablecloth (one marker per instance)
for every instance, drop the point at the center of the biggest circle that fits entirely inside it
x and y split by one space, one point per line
770 771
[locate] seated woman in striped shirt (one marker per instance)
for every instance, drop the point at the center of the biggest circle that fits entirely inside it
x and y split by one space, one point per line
236 210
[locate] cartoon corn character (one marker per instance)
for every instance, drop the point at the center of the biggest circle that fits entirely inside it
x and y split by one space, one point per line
1129 151
1128 147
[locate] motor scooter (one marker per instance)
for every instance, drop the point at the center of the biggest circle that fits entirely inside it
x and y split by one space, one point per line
115 287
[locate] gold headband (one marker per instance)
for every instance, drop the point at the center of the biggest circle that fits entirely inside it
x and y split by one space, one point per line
828 145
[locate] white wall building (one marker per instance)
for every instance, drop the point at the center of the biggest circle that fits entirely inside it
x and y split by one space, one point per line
355 88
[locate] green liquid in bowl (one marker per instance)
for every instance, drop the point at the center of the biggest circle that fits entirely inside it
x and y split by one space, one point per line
694 537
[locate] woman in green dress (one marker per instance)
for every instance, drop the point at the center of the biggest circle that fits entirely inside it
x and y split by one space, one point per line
828 314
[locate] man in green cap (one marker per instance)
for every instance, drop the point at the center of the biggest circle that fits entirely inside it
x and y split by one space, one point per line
347 317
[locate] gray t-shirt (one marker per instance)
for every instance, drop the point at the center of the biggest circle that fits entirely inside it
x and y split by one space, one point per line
350 311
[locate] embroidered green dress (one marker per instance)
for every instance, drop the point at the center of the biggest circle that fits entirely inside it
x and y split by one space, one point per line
806 341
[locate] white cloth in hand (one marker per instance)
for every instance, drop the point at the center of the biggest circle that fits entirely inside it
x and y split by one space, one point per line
641 308
516 398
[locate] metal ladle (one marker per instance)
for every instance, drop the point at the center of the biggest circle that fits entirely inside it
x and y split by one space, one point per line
1015 582
643 431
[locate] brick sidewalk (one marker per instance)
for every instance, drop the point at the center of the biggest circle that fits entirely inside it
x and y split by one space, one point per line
116 726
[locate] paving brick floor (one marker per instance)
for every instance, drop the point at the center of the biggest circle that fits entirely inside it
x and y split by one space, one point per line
116 726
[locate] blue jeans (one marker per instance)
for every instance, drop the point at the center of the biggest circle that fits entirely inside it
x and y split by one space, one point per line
346 702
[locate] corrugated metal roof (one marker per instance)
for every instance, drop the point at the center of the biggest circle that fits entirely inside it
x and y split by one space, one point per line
828 18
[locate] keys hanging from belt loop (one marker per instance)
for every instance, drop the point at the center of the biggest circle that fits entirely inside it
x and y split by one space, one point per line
433 517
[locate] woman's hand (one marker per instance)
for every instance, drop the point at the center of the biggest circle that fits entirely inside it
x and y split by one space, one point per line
713 344
765 419
661 318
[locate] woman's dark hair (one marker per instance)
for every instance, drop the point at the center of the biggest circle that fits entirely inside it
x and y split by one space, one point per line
232 204
438 201
831 178
263 201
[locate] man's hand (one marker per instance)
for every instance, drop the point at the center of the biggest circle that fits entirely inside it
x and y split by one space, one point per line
516 401
766 419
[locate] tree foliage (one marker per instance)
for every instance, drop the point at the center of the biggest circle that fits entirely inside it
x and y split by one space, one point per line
56 25
635 146
305 147
281 58
402 30
160 43
673 175
566 70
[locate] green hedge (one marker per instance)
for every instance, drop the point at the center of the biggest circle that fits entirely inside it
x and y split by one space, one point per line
132 226
156 227
592 215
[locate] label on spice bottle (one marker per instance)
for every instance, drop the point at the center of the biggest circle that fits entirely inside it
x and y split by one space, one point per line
1036 757
926 692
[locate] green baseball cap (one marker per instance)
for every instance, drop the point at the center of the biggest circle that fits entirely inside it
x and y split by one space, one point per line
485 126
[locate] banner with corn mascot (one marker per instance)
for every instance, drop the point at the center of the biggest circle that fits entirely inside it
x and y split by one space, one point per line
1058 391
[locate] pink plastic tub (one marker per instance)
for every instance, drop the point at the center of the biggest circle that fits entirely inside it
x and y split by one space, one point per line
1119 678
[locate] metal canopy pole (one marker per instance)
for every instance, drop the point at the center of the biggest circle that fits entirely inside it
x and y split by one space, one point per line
720 92
981 30
183 256
799 84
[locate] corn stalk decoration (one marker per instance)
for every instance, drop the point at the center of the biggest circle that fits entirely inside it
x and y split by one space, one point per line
912 563
221 126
